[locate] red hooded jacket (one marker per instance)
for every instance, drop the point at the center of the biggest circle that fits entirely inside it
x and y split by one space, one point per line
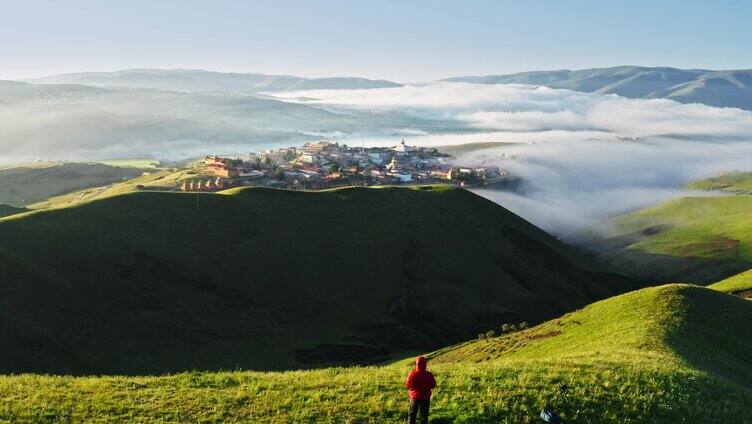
420 382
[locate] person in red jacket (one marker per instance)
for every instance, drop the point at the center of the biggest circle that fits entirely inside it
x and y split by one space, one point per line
419 384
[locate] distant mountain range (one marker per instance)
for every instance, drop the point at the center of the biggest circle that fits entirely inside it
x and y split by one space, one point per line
713 88
199 80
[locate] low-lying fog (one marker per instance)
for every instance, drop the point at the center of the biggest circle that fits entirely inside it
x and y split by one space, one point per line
583 157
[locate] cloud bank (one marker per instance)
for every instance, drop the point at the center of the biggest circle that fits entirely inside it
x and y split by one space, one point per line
514 108
583 157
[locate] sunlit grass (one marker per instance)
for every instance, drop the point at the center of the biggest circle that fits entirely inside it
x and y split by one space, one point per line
627 359
734 284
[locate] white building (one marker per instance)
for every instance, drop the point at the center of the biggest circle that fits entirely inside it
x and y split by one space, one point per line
402 147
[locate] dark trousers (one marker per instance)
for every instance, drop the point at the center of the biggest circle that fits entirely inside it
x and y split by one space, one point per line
418 405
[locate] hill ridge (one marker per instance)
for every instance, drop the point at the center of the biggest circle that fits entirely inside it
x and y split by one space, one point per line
719 88
675 324
204 80
607 383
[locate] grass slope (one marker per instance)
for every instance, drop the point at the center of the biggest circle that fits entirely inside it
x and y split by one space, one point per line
733 182
740 284
669 354
166 179
27 184
696 239
141 163
151 282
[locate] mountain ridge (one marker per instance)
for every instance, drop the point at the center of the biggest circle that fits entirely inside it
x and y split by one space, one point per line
192 80
719 88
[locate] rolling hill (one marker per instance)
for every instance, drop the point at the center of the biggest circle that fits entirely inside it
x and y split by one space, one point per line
713 88
730 182
154 282
697 239
23 185
667 354
195 80
155 180
740 285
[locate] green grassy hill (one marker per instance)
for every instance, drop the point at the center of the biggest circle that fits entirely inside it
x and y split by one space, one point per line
668 354
740 284
24 185
140 163
151 282
163 179
695 239
733 182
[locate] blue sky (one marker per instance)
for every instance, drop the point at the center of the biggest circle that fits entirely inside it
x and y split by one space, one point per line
398 40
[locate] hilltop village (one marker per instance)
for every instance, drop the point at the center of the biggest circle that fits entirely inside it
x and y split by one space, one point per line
322 165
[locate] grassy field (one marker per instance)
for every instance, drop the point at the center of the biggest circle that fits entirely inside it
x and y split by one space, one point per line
140 163
696 239
24 185
153 282
733 182
701 227
740 283
671 354
166 179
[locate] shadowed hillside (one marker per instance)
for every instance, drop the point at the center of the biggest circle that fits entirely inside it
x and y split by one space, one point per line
154 282
6 210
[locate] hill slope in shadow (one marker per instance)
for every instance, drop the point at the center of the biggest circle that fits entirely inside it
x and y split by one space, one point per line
262 279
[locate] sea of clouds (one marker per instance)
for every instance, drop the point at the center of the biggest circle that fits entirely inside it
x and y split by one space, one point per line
583 157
